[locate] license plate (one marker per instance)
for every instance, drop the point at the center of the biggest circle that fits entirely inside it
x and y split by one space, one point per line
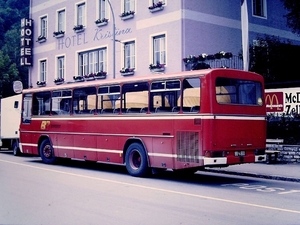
239 153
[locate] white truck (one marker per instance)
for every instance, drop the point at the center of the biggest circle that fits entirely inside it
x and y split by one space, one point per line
10 113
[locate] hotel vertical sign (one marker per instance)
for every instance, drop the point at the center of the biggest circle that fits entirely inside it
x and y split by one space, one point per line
26 42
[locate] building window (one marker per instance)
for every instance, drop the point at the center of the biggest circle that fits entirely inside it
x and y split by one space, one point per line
102 9
159 50
61 20
92 61
129 5
61 67
259 8
43 27
43 70
129 54
102 60
81 14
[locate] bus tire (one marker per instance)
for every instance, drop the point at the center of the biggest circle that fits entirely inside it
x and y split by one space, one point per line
136 160
16 149
47 152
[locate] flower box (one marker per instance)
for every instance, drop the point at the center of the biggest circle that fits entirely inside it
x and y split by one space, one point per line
155 70
156 9
127 15
41 39
79 31
58 34
127 73
100 75
157 67
78 28
41 83
59 81
78 78
89 78
101 22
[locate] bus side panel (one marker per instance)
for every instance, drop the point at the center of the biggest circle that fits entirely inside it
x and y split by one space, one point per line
108 150
26 141
65 143
188 143
160 149
162 153
85 147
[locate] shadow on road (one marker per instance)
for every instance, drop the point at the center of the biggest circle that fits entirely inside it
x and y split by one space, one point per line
201 177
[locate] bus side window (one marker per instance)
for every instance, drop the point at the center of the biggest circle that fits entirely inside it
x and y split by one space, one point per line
191 95
41 103
61 102
27 106
84 100
164 96
108 99
135 97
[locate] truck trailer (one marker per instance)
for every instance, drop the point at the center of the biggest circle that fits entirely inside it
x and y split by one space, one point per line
10 113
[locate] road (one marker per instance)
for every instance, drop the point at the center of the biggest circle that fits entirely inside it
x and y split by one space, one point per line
76 192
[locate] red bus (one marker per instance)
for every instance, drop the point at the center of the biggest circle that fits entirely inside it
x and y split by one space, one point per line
185 121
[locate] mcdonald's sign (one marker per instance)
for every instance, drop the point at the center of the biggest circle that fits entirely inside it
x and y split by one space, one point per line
274 102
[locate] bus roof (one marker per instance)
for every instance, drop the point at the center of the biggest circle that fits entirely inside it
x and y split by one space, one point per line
73 84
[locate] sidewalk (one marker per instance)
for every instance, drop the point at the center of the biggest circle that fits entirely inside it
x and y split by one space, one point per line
278 171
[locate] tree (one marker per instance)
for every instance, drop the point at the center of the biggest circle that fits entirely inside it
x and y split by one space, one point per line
293 15
8 73
274 59
11 13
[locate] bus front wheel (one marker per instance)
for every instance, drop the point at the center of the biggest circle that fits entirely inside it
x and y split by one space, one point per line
47 152
136 160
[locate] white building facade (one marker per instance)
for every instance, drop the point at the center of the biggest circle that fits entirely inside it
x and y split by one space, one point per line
73 38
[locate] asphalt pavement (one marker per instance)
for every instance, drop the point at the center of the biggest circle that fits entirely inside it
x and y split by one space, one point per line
276 171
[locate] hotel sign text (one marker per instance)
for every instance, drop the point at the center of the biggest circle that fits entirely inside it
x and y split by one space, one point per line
26 42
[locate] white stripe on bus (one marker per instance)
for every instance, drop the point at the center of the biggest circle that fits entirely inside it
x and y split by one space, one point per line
169 117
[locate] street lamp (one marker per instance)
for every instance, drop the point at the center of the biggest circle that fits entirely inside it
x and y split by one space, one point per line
114 39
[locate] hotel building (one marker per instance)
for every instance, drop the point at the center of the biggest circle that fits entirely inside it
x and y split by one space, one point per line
72 38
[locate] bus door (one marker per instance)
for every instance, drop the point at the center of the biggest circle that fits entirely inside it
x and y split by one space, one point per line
25 137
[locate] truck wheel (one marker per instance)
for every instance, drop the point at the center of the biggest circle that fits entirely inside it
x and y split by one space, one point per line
16 149
136 160
47 152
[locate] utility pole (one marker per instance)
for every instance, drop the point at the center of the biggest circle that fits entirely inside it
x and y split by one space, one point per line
114 39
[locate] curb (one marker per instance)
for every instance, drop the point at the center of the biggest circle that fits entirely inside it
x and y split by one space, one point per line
248 174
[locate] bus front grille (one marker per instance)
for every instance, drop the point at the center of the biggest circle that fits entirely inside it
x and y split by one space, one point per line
187 146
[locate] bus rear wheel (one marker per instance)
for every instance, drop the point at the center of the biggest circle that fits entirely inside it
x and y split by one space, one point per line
136 160
47 152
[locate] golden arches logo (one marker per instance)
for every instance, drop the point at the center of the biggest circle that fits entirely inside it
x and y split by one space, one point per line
271 101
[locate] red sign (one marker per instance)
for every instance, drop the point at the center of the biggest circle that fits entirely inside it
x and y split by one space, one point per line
274 101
